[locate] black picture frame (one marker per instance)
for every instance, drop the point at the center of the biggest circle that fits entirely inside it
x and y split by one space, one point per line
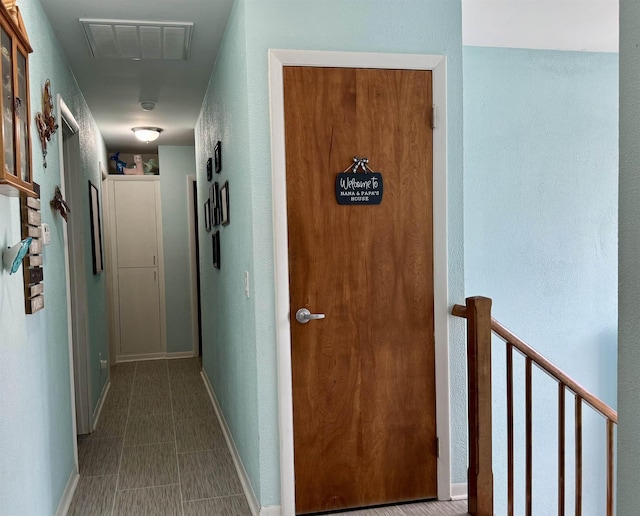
96 229
209 169
215 241
217 155
207 215
215 206
224 204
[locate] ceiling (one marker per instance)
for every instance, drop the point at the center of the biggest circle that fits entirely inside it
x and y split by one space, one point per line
114 87
578 25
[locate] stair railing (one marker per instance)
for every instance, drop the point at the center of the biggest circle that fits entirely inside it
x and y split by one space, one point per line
480 326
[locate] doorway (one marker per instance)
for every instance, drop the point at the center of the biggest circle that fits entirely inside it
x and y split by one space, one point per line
279 60
75 266
194 244
364 376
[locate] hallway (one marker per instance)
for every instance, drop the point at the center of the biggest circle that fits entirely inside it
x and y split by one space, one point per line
159 451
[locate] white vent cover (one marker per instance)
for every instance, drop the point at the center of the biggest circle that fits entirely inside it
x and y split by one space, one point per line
129 39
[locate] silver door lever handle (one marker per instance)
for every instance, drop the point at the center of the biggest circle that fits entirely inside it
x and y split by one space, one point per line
303 316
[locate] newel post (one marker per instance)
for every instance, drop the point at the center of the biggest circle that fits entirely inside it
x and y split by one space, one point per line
480 474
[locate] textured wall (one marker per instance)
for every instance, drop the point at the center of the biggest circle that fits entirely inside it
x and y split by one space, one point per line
228 317
240 337
540 202
36 436
629 255
416 26
176 163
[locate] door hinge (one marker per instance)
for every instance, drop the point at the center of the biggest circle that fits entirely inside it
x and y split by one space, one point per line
438 447
434 116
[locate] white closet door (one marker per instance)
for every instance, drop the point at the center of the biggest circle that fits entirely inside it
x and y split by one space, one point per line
139 311
136 236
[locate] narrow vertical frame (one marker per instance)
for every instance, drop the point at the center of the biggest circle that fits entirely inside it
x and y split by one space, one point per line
96 229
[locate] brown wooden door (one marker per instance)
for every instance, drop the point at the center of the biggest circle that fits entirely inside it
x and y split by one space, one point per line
363 377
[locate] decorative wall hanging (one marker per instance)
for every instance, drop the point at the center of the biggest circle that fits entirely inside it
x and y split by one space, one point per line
207 215
217 154
353 187
209 169
224 204
45 121
16 175
96 229
214 195
12 256
14 11
215 240
33 272
59 204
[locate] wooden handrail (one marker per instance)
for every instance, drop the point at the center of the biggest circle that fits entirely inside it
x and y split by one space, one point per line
544 364
480 326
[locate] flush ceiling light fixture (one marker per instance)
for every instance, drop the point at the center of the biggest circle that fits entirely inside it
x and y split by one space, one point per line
147 134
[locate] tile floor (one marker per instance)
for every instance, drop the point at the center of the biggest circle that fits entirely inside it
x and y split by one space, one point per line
159 451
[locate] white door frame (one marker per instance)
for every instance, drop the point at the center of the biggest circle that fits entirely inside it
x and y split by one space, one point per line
438 65
76 312
191 180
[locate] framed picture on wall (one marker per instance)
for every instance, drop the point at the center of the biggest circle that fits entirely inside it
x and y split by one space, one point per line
209 169
207 215
217 155
224 204
215 239
96 229
215 206
213 201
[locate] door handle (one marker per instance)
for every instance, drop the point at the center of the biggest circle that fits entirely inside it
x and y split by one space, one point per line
303 316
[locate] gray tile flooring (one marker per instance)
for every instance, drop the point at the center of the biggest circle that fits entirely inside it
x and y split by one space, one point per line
159 451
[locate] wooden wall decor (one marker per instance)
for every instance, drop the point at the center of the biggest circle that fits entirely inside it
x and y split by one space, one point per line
16 175
45 121
32 265
58 203
12 7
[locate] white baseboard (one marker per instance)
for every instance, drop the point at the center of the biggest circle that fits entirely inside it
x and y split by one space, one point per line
273 510
67 494
459 491
98 411
255 508
154 356
180 354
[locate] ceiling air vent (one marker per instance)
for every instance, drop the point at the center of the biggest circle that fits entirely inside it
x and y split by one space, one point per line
129 39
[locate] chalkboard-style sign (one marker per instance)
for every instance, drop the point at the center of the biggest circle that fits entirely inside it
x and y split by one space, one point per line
359 188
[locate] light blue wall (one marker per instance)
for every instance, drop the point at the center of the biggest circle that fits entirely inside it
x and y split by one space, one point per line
228 317
176 163
241 333
36 436
540 203
628 473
